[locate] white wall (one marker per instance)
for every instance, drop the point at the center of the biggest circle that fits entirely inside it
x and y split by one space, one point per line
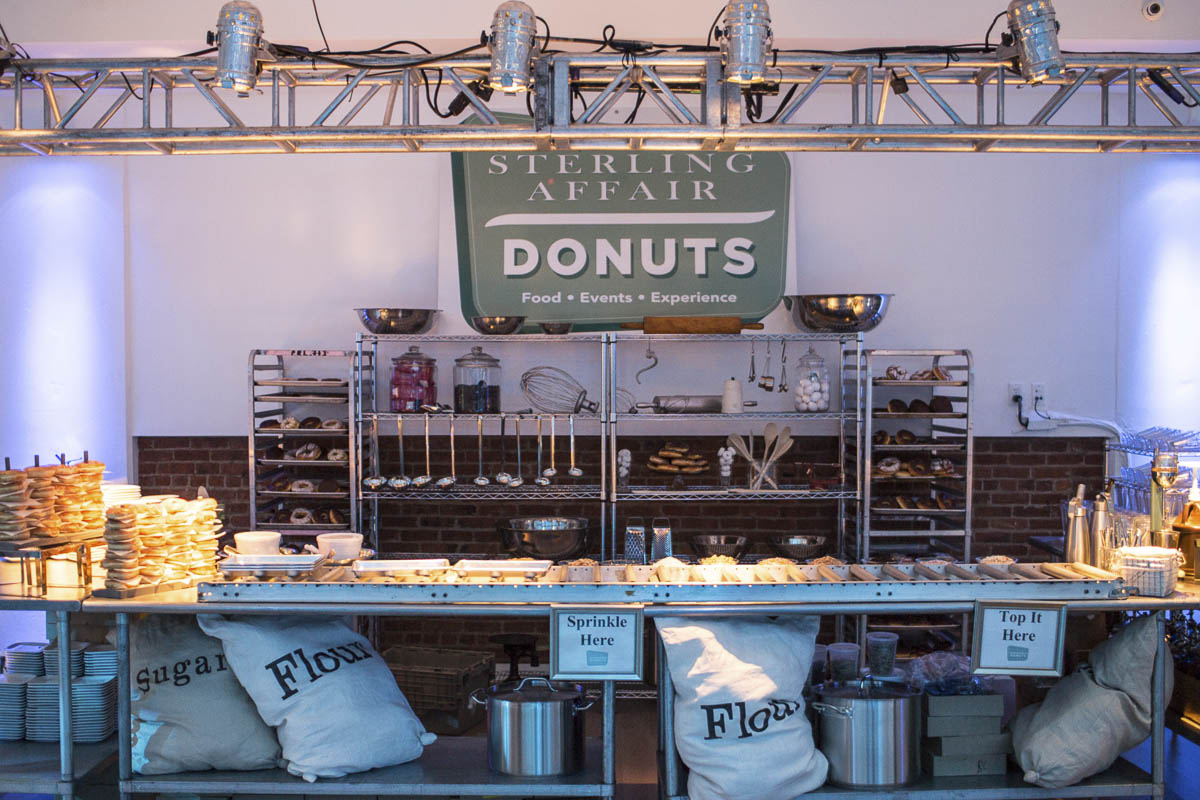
62 310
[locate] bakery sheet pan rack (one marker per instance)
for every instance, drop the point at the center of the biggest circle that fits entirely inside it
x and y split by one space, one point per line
930 428
281 369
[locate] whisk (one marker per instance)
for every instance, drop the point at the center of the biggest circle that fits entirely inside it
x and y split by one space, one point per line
554 391
626 402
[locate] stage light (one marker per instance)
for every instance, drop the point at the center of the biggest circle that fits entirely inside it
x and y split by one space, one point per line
513 44
746 40
238 40
1034 31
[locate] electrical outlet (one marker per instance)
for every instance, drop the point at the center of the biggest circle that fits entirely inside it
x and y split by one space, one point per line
1018 390
1039 392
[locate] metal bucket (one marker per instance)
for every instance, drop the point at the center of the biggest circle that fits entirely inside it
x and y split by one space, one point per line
535 727
870 732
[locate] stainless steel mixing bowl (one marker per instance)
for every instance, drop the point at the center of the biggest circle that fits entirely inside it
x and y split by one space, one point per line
800 548
720 544
396 320
497 326
555 538
838 313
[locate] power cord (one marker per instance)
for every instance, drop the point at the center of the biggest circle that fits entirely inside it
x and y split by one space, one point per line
1021 418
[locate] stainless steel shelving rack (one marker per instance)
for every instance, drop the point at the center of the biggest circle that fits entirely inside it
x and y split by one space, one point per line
1133 496
367 420
849 417
53 768
274 393
948 435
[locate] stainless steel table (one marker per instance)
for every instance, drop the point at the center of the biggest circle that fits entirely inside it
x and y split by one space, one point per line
47 767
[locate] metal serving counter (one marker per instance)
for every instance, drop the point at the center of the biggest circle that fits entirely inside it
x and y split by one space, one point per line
457 766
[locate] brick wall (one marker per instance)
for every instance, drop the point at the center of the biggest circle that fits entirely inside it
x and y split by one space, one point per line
1018 485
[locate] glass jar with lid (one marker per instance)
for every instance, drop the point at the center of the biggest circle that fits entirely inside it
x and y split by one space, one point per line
414 381
811 392
477 383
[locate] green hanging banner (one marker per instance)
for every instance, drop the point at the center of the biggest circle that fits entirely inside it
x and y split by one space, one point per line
601 237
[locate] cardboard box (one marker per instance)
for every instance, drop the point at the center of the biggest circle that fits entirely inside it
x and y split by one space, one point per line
964 705
962 726
960 766
986 745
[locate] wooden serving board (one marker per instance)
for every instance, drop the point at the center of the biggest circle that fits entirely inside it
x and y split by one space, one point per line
699 325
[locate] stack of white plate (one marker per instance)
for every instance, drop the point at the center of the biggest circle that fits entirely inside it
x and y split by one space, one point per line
25 658
93 709
116 494
100 660
50 658
12 707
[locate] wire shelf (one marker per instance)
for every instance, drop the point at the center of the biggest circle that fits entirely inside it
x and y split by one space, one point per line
523 493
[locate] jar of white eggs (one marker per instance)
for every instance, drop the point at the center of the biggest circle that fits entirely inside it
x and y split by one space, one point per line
811 391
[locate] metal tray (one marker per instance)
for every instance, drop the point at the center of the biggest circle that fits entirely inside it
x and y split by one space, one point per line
296 383
285 397
342 433
255 564
400 567
300 495
482 568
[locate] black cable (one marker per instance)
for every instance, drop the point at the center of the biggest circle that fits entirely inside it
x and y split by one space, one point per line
545 44
125 78
382 49
203 52
638 104
320 27
987 36
1037 400
1021 418
713 27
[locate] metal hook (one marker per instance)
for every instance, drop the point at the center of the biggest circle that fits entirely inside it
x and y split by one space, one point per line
651 356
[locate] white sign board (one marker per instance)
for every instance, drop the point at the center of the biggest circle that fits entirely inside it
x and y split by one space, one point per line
596 642
1015 638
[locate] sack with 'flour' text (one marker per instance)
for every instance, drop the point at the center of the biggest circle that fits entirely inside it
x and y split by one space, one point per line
180 677
739 706
329 695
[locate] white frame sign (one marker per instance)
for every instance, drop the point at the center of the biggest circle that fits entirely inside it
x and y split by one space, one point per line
596 642
1018 638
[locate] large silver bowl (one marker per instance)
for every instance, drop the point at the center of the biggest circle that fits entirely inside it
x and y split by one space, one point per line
396 320
720 544
837 313
497 326
555 538
801 548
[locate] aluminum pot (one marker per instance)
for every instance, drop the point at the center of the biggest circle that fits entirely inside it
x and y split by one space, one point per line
534 726
870 732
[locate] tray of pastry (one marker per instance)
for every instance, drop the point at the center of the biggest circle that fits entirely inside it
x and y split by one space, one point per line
894 382
896 511
289 397
883 413
338 432
305 383
310 527
929 476
299 462
299 494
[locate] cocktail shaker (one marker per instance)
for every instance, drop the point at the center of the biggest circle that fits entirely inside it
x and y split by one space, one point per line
1101 539
1078 547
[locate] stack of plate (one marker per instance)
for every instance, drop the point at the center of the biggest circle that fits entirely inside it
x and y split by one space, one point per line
24 658
50 657
93 709
12 707
100 660
117 494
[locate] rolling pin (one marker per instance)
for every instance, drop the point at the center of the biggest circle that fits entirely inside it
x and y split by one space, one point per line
692 325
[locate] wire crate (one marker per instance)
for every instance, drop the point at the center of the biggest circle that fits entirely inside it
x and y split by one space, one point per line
1149 571
438 684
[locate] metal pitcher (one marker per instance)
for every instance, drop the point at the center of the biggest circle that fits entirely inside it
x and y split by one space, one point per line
1078 546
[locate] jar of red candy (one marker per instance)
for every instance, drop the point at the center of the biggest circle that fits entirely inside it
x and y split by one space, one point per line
414 381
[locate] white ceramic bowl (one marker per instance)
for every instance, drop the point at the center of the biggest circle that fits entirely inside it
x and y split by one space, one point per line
340 546
257 543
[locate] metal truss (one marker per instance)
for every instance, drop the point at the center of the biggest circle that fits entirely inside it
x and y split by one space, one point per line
814 101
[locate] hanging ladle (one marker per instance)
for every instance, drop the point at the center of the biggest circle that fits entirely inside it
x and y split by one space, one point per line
452 478
752 376
783 384
550 471
422 480
402 480
480 480
574 471
767 381
541 479
517 480
374 481
502 477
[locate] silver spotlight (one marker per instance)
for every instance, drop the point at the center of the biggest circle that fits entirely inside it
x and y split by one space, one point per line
1034 31
746 40
513 44
239 38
